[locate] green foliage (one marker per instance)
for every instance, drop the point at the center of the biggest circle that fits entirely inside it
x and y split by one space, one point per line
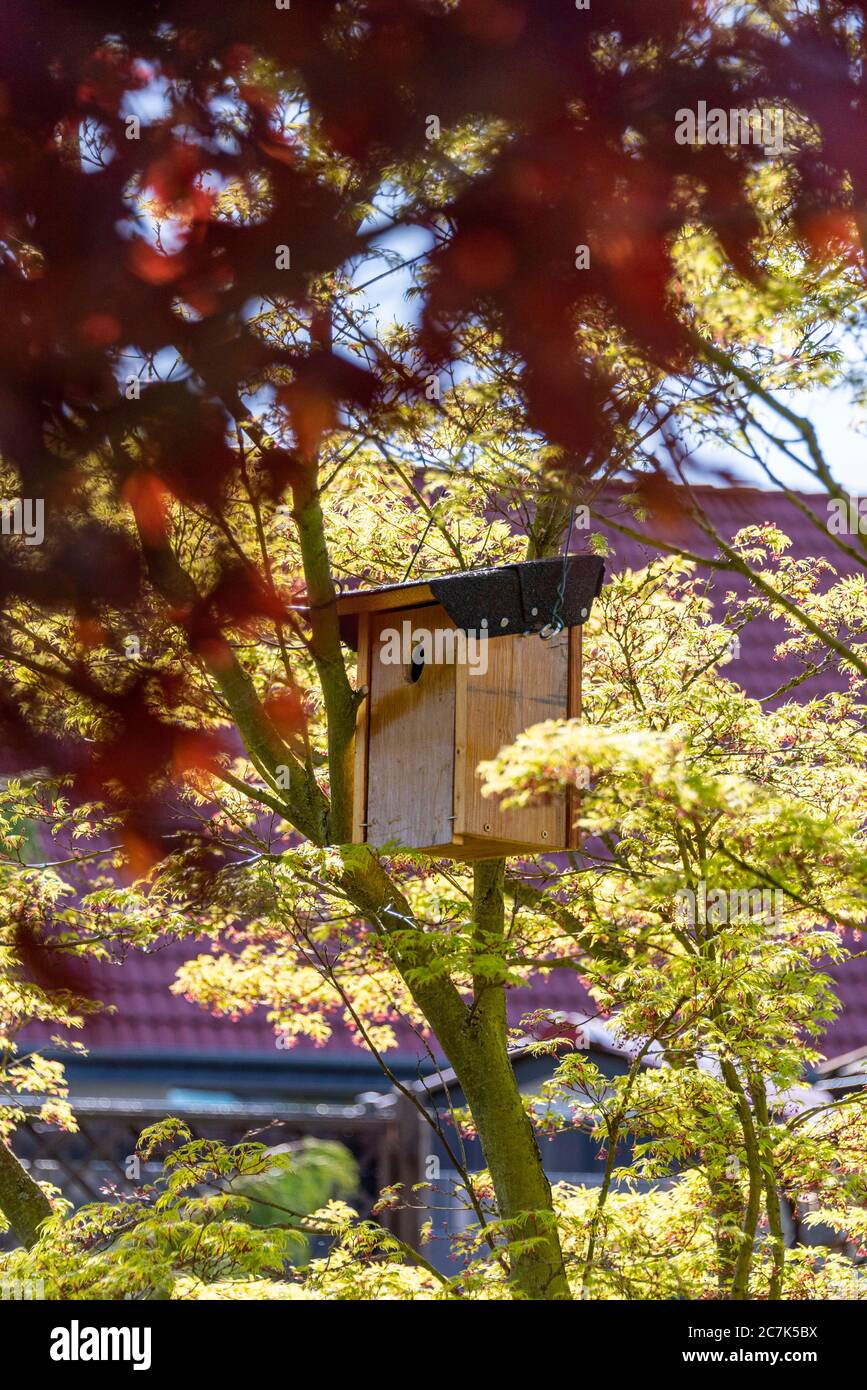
216 1215
690 782
304 1177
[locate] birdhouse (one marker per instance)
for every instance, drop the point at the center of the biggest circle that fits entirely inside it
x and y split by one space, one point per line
455 668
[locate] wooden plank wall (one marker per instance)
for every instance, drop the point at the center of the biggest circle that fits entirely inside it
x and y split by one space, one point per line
410 742
526 682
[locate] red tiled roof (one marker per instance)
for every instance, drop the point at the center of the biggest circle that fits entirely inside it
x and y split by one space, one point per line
149 1019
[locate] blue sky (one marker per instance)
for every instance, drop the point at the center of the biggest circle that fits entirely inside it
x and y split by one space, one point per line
836 422
830 410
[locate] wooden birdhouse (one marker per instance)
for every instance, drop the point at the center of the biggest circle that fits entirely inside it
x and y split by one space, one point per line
455 668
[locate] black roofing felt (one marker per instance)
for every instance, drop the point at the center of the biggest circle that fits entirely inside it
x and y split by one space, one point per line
510 598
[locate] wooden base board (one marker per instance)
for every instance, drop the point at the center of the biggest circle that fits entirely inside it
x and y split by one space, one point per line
473 847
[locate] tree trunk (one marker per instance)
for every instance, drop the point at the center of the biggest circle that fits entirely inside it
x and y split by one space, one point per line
22 1200
481 1061
741 1281
522 1189
474 1041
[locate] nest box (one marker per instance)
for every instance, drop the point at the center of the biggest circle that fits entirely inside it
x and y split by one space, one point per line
455 668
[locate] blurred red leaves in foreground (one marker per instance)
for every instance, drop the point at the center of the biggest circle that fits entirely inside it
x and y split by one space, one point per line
90 293
149 498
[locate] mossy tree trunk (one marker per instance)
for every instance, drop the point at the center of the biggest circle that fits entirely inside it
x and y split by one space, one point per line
484 1070
22 1200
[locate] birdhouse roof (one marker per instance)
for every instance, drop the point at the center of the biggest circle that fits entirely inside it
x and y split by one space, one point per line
505 600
